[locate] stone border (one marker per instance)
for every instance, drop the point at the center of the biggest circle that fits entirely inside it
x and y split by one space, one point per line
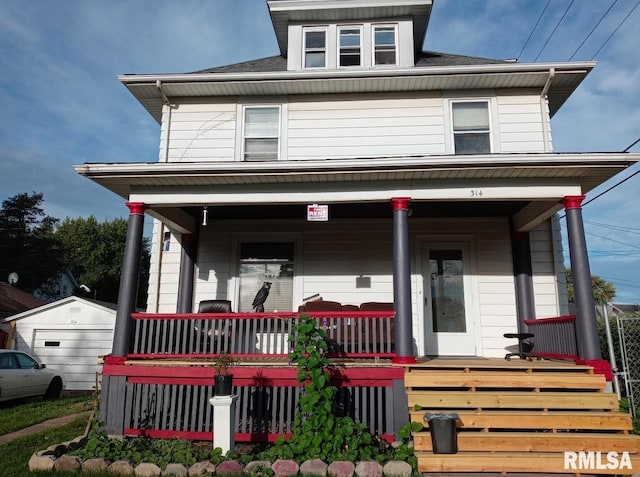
55 458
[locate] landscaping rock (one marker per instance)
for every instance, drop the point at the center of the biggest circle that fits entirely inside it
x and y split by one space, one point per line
121 467
257 465
285 468
147 469
178 470
95 465
341 468
314 467
369 468
229 467
40 463
202 468
397 469
66 463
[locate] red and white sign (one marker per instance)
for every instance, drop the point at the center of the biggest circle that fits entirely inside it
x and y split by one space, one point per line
317 213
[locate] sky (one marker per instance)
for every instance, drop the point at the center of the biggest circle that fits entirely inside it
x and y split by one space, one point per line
62 103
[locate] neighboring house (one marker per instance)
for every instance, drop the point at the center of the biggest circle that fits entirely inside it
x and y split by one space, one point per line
61 286
70 335
437 172
13 301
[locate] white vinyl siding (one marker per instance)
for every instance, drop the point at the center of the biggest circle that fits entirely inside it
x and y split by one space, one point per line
200 132
333 127
544 265
521 127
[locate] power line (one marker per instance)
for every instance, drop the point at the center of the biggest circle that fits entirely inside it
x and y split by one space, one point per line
554 31
613 186
593 29
618 228
534 29
617 28
613 240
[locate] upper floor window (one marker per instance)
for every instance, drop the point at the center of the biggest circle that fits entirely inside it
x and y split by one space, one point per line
350 49
471 130
261 133
384 45
315 48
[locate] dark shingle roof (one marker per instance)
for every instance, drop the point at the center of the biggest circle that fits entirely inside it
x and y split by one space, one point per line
14 300
279 63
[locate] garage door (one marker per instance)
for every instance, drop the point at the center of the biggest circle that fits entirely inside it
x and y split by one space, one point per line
73 352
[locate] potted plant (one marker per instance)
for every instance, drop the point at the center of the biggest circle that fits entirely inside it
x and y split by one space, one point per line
223 379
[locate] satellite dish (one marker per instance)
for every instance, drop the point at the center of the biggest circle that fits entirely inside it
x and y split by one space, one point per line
13 278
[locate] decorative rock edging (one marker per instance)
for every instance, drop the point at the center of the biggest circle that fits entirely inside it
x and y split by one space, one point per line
55 458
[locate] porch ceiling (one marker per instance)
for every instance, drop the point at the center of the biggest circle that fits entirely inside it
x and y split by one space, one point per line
526 187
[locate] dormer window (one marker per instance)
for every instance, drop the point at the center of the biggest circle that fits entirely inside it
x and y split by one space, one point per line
350 47
384 45
315 48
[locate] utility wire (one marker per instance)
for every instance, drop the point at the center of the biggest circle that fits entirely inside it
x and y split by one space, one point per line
613 240
612 187
617 28
618 228
593 29
554 31
534 29
632 144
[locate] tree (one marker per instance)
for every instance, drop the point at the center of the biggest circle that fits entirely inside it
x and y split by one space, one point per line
28 245
94 253
603 291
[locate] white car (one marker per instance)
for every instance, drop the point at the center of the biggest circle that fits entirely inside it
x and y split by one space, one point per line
23 376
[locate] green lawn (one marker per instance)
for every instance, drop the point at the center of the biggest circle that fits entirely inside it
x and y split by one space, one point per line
19 414
15 455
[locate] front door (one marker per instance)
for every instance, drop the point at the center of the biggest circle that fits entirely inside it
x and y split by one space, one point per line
449 323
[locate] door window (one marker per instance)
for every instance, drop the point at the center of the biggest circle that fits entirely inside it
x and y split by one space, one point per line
447 291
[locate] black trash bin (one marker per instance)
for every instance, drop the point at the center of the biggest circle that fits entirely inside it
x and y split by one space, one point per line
442 427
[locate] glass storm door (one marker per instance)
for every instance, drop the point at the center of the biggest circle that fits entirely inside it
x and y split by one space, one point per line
448 321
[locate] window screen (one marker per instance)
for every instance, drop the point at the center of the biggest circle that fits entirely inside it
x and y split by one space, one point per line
471 130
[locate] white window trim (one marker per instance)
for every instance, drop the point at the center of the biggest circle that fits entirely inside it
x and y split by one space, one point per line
298 270
250 102
493 127
362 51
374 27
306 30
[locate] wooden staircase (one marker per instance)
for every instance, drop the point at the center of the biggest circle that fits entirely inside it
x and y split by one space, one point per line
521 416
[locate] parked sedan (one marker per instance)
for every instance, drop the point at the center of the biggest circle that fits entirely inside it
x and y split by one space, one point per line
23 376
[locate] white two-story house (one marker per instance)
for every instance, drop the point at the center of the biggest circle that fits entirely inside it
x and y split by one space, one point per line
355 167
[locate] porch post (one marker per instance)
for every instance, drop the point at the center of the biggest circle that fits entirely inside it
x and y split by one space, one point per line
402 281
187 267
523 274
128 290
586 324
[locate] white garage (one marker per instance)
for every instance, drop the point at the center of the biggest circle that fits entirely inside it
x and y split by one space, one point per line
70 335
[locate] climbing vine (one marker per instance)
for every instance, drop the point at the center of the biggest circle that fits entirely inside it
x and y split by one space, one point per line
318 429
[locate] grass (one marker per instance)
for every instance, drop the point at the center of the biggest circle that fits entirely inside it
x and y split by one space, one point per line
18 415
15 455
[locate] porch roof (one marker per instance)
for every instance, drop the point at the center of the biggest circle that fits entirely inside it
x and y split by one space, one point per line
536 181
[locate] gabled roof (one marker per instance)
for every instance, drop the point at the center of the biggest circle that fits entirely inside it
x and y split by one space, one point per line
110 307
14 300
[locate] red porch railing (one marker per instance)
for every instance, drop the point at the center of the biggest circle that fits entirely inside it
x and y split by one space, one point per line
355 334
554 337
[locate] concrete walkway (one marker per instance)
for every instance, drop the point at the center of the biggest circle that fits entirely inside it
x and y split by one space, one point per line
43 426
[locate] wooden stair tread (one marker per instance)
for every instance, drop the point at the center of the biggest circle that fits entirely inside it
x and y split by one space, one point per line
537 441
524 419
498 364
508 462
512 400
507 379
